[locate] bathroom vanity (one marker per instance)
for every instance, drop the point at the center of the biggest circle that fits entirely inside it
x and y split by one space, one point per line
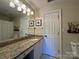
28 48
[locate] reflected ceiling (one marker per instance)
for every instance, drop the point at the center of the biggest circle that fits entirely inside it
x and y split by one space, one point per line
6 10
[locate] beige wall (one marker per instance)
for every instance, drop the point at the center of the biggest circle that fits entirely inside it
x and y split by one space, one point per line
70 12
2 17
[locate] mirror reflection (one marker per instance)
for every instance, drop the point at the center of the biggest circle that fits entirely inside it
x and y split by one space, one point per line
15 16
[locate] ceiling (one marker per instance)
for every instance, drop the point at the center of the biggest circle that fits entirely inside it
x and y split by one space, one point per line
39 3
6 10
42 3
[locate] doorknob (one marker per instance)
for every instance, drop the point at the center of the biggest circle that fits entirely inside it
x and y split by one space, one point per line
45 35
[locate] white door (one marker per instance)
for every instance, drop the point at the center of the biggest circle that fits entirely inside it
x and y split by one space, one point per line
52 34
7 29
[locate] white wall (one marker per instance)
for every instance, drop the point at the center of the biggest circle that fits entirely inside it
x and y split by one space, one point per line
70 12
39 30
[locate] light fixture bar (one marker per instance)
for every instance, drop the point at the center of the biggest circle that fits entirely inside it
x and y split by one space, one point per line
21 7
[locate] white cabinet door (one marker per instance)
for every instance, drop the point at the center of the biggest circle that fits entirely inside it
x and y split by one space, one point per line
7 29
38 50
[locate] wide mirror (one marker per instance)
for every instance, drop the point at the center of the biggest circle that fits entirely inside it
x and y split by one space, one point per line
16 20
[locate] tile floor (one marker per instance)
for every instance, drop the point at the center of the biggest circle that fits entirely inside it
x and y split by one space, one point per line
47 57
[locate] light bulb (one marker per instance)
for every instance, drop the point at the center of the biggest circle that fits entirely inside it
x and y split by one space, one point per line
12 5
28 10
19 9
24 12
28 14
32 13
16 1
23 6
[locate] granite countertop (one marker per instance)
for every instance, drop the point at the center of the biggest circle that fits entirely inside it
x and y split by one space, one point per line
12 50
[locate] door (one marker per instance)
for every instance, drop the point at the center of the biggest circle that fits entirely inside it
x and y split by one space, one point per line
7 29
52 34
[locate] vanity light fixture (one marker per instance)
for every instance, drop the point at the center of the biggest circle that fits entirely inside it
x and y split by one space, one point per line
12 5
32 13
28 14
28 10
16 1
23 6
24 11
19 9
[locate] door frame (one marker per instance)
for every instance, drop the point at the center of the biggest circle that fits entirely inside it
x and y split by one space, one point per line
60 25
